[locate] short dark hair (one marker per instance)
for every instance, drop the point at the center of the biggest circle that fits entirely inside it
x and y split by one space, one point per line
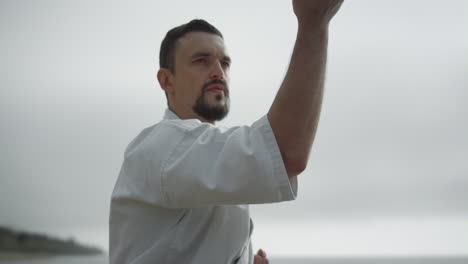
167 51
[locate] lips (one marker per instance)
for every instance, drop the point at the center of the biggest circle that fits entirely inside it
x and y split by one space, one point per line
216 88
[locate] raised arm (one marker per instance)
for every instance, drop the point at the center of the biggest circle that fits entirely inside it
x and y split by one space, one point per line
295 112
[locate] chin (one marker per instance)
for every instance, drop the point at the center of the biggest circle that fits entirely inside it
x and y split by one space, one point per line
218 102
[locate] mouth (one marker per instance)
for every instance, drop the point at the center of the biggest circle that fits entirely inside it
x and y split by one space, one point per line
216 88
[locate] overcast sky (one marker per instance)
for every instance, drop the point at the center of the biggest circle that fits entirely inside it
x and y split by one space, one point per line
78 82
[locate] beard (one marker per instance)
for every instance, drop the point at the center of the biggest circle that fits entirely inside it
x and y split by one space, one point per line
212 111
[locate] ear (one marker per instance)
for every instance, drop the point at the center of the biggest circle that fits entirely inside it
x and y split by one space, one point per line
165 80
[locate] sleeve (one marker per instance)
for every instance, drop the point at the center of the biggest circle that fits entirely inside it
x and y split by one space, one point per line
209 166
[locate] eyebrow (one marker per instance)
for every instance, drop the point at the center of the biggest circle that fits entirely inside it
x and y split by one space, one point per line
207 54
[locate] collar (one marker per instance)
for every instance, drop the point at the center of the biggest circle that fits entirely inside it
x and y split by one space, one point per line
169 114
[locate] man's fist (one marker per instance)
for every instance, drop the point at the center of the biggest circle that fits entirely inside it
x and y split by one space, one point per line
315 12
260 257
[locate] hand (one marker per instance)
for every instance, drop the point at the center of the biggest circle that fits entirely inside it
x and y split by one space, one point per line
316 12
261 258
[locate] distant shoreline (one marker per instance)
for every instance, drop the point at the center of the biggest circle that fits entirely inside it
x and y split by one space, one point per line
20 255
19 244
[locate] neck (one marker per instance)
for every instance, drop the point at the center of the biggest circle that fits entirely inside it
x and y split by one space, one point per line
189 114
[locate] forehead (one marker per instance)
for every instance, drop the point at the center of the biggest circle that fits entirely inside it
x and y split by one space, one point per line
194 42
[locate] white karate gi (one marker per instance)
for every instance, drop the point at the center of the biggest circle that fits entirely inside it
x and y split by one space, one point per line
183 192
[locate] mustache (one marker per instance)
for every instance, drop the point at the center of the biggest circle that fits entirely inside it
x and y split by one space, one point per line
217 81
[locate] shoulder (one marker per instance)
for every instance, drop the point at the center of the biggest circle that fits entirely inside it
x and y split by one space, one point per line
170 131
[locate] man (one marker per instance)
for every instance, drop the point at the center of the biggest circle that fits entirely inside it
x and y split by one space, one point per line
183 191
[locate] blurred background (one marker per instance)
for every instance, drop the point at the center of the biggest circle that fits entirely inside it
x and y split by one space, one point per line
388 174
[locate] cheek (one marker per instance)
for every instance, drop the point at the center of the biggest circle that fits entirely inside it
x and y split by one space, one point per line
193 90
191 84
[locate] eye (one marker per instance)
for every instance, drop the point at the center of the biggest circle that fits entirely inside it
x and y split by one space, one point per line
225 64
200 60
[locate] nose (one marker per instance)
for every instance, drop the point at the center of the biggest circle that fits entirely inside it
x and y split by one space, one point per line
217 72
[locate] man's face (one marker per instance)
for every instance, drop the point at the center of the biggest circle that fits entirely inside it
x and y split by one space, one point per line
201 75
